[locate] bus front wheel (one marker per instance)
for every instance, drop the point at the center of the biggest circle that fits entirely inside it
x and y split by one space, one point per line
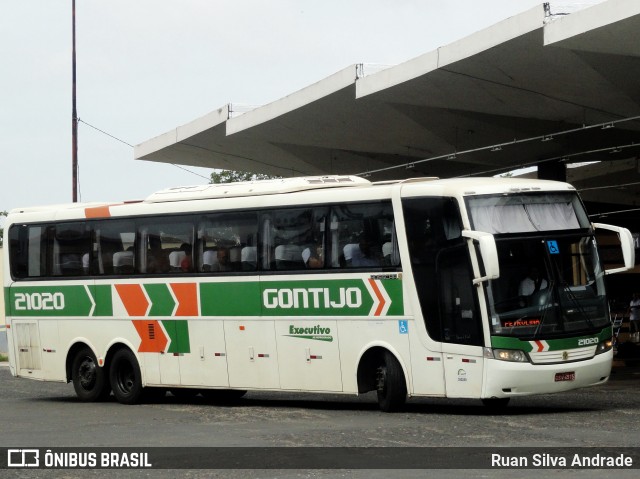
126 380
89 380
390 384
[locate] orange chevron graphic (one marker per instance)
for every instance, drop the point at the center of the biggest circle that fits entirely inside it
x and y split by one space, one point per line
380 297
187 296
153 339
133 298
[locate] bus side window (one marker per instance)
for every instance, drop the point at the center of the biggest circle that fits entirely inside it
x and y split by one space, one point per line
293 239
227 242
112 238
28 251
71 242
363 236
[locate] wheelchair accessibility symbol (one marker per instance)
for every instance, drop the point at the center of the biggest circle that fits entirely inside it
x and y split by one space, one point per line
553 247
403 326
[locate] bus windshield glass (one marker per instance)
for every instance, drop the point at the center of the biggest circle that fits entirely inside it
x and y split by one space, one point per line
551 280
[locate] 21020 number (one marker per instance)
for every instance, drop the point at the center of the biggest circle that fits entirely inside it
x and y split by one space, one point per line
39 301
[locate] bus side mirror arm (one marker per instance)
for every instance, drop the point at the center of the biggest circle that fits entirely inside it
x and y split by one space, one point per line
626 243
489 254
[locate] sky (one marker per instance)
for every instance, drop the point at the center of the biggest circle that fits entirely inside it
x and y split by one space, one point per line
145 67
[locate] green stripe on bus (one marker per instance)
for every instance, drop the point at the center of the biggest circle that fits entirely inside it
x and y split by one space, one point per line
230 299
178 332
323 298
162 302
104 302
51 301
501 342
348 297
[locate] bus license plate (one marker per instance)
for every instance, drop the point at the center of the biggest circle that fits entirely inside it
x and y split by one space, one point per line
568 376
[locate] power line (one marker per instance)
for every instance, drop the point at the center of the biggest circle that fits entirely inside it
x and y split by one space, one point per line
105 133
599 215
499 146
621 185
130 145
192 172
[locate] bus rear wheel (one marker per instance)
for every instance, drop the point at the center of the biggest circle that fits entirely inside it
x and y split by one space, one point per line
390 384
125 377
89 380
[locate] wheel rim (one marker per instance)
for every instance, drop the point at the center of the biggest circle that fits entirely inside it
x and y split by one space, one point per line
381 380
87 373
125 378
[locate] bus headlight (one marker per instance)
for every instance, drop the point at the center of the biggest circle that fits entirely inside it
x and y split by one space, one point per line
513 355
604 346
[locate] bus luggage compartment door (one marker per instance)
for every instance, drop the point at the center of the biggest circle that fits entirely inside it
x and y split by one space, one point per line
252 355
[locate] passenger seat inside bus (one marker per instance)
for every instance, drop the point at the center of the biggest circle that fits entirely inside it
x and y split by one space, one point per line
289 256
249 258
175 260
350 250
210 260
235 255
70 265
387 249
123 262
86 266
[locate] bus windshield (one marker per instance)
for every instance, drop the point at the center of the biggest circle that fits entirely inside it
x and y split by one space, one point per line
549 286
551 280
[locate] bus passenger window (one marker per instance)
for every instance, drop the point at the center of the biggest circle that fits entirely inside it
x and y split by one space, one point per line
292 238
166 246
363 236
226 242
112 239
70 243
28 251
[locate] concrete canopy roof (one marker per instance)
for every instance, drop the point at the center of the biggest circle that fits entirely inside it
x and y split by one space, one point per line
533 89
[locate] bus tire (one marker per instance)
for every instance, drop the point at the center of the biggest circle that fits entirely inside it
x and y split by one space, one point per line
390 384
125 376
89 380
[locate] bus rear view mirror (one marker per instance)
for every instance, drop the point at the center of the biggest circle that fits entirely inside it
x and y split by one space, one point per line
489 253
626 244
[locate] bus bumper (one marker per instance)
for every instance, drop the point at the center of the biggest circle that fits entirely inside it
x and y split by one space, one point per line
509 379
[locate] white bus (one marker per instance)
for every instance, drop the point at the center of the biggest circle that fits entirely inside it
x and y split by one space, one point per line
460 288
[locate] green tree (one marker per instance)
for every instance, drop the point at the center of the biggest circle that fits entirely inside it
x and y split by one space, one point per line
231 176
2 213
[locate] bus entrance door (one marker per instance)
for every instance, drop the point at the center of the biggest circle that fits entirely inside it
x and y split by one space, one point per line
461 325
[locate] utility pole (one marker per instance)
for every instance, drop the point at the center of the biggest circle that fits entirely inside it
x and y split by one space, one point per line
74 113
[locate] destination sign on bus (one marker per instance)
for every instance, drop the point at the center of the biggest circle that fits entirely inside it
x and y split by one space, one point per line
520 322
